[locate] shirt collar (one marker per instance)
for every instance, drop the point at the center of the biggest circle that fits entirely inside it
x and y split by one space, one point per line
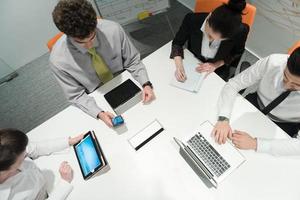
82 49
203 26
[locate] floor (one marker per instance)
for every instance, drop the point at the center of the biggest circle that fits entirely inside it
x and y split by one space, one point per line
34 96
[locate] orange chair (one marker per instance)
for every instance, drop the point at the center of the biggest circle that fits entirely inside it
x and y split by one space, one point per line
207 6
53 40
295 46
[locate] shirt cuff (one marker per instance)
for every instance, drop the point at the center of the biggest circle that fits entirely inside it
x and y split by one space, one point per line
94 113
224 114
61 191
176 51
143 78
263 145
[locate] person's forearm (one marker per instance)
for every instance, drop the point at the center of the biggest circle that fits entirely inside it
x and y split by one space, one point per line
61 191
219 63
139 73
279 147
42 148
75 92
178 62
87 104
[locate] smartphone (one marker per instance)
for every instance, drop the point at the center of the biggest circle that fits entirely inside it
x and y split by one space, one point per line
118 120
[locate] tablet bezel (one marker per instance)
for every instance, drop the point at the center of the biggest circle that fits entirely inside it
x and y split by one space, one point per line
99 154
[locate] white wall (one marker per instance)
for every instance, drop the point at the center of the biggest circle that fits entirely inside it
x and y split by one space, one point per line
26 25
276 27
5 70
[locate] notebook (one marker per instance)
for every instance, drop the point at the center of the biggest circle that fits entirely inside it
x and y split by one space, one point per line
194 78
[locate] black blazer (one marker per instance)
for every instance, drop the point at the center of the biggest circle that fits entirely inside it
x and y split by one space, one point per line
229 50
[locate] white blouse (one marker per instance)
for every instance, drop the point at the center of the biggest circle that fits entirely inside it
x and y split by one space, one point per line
208 49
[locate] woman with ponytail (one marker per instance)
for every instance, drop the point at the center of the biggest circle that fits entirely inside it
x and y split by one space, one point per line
217 39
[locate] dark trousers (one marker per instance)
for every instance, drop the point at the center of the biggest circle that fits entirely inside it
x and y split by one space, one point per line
289 127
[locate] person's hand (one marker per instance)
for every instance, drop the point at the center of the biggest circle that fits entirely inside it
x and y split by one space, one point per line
106 117
75 140
66 171
148 94
243 140
206 67
221 131
180 74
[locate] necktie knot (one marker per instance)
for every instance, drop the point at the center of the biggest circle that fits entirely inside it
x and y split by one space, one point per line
92 51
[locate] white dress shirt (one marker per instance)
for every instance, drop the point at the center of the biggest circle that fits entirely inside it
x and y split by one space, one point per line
29 183
267 74
208 50
279 147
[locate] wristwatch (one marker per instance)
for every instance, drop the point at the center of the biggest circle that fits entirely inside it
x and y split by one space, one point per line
222 118
148 83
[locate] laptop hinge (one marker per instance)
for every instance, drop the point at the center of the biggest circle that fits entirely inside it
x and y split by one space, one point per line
200 164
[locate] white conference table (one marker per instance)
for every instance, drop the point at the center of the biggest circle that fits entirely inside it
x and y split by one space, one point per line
157 171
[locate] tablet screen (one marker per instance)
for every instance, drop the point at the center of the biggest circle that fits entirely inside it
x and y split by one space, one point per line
87 155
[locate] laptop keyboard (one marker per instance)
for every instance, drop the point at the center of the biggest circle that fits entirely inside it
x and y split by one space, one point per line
212 159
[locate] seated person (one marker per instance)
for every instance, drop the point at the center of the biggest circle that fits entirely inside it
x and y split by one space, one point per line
217 39
90 54
278 96
20 178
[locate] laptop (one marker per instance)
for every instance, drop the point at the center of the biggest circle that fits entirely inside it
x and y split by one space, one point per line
215 161
124 96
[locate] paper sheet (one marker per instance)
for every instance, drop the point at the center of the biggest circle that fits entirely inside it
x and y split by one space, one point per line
194 78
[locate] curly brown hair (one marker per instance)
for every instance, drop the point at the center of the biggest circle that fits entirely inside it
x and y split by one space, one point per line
76 18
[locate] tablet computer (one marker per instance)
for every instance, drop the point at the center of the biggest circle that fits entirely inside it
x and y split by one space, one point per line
124 96
89 155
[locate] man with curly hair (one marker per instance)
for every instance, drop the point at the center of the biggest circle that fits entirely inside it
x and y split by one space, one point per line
90 53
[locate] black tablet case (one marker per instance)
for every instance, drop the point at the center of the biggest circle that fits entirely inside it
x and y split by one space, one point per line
122 93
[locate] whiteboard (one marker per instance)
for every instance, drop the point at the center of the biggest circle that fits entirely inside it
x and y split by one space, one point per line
126 11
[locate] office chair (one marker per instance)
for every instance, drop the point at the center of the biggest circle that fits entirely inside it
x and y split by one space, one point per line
206 6
295 46
53 40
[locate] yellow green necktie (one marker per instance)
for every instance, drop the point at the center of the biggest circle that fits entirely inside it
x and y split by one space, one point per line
100 66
